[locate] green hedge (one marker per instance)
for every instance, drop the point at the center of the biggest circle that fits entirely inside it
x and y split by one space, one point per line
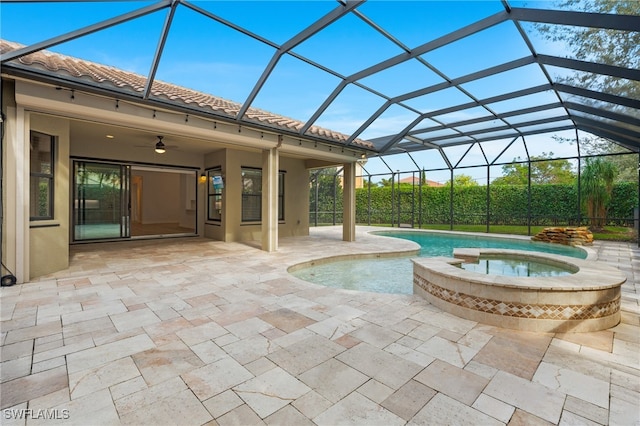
550 204
625 199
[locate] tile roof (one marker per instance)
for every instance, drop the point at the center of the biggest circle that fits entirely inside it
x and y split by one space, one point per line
105 75
416 181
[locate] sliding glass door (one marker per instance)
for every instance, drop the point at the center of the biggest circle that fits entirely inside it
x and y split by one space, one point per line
163 201
100 201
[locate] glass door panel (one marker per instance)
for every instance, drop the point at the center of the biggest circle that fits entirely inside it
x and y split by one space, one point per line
101 201
163 202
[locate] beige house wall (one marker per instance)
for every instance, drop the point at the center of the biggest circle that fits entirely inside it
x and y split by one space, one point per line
15 224
111 149
35 249
234 230
296 196
49 239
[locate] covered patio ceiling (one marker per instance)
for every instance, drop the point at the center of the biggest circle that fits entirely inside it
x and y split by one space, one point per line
404 76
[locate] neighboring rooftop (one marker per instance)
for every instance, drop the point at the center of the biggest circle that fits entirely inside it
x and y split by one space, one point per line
415 180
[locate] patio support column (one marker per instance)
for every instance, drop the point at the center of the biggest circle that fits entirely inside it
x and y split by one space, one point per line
349 202
270 161
15 244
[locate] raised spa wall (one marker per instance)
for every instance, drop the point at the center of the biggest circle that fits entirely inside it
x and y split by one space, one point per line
588 300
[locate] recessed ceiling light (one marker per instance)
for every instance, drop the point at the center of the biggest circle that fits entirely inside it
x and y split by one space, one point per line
110 136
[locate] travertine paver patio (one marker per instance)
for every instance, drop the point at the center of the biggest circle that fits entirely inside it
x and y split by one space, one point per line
193 332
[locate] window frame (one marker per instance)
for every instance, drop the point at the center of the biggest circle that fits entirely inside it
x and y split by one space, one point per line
39 176
256 195
213 192
281 190
281 196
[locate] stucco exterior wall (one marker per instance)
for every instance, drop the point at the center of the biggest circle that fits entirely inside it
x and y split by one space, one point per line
296 198
235 229
296 194
10 230
111 149
49 239
35 249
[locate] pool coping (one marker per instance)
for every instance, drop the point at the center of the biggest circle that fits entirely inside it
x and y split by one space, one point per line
588 270
352 256
588 300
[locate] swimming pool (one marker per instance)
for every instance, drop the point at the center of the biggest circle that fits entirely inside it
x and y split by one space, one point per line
395 275
442 244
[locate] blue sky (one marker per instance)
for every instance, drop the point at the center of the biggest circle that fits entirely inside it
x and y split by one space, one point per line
204 55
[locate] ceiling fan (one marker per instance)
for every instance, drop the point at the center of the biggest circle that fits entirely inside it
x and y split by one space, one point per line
160 146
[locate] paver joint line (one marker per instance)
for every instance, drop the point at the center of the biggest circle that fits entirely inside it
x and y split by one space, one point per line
135 330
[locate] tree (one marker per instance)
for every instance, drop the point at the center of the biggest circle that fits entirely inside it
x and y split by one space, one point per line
386 182
394 181
626 164
596 186
606 46
542 172
462 180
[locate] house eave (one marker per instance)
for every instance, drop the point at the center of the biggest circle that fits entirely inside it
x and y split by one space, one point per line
28 74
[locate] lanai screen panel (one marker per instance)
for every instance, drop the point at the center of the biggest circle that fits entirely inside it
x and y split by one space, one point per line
404 76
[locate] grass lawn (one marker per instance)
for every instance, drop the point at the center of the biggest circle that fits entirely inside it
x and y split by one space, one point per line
616 233
610 233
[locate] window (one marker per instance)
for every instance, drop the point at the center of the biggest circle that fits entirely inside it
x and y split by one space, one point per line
281 196
215 185
41 182
252 195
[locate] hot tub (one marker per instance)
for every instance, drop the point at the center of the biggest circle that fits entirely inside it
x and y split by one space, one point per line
585 299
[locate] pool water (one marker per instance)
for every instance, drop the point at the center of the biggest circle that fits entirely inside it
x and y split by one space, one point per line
517 268
378 275
395 275
439 244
